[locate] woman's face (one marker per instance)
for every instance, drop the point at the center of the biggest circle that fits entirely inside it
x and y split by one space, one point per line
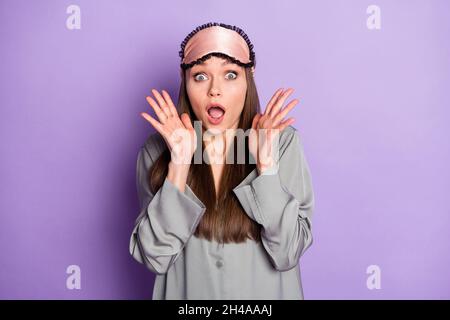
217 81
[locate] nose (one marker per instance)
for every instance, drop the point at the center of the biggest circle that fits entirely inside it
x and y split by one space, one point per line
214 90
214 93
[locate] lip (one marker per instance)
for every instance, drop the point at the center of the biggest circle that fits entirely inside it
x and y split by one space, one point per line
214 104
214 120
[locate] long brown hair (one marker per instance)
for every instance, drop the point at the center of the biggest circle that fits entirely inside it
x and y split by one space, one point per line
224 220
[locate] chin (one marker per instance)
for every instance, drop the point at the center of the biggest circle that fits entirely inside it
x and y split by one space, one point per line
215 129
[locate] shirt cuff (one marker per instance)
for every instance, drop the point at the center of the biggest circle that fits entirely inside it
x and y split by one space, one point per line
177 212
263 196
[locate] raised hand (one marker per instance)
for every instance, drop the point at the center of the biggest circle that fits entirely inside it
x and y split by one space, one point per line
178 133
266 127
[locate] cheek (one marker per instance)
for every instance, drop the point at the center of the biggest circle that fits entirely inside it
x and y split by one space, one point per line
194 93
239 93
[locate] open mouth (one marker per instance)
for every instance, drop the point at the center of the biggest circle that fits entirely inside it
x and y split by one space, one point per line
215 113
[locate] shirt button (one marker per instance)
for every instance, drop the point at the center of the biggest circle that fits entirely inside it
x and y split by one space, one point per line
219 263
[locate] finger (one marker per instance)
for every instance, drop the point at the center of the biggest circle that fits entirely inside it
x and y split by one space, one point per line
280 102
186 121
169 101
164 107
161 115
153 122
255 120
273 100
282 113
285 123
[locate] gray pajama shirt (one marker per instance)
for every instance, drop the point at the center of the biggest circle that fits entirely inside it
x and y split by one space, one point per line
188 267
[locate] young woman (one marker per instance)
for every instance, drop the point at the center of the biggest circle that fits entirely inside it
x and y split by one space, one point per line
215 229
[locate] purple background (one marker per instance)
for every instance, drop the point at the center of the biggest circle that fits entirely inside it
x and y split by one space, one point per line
373 115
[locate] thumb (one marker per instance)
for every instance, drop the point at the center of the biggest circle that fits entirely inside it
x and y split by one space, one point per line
186 121
255 120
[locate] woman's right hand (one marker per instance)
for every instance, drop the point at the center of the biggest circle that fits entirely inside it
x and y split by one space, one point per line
179 134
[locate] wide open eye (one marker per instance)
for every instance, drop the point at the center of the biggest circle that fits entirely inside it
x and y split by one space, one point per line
233 73
198 76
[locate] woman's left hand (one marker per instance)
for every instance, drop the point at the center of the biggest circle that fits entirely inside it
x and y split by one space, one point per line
266 128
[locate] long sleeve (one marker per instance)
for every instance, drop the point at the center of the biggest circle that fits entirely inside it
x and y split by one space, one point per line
166 221
282 202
